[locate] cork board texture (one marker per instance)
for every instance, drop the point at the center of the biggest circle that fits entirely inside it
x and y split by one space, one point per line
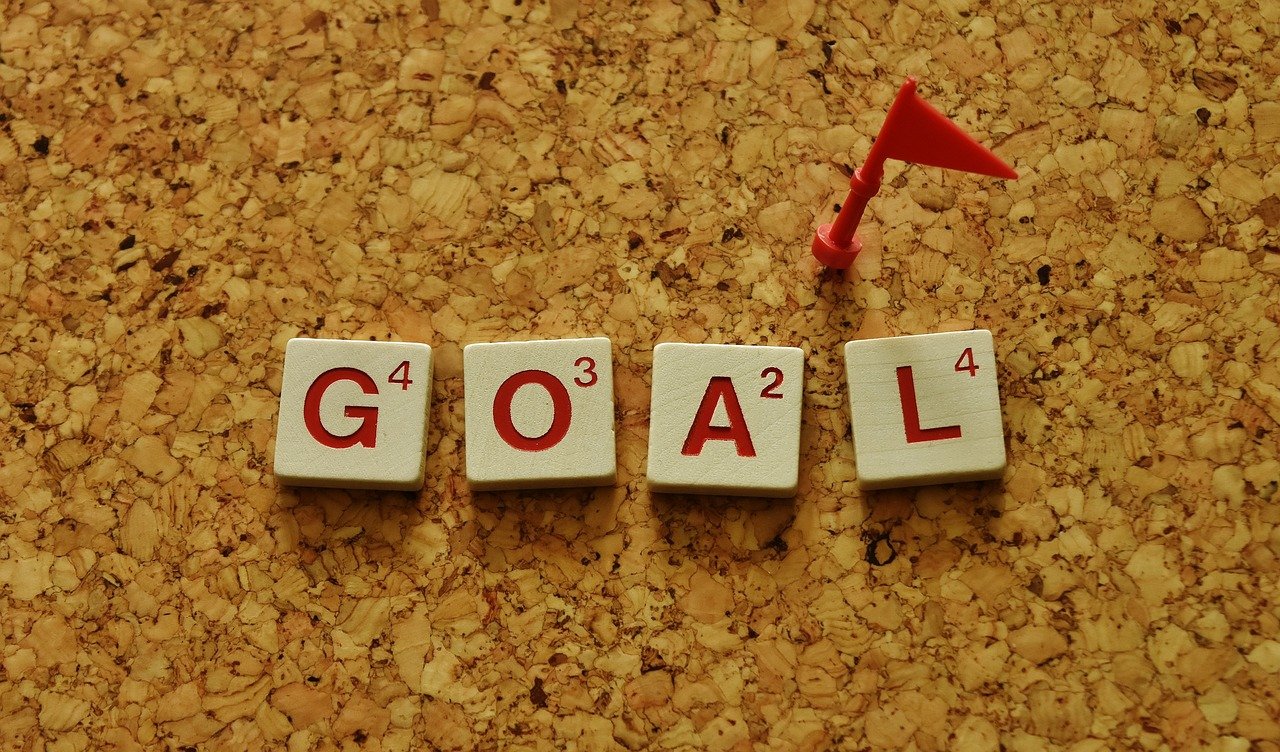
184 187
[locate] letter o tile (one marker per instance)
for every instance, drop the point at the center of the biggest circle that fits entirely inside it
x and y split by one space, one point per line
539 414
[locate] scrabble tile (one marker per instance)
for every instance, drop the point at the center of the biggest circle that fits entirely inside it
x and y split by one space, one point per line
925 409
539 414
725 419
353 414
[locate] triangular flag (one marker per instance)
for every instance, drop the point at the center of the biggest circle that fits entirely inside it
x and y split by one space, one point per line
914 131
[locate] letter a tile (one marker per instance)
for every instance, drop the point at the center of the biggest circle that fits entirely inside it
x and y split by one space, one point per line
353 414
925 409
539 414
725 419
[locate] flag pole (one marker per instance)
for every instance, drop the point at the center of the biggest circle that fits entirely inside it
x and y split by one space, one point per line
836 244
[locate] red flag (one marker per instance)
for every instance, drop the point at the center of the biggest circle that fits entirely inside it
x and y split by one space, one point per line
913 131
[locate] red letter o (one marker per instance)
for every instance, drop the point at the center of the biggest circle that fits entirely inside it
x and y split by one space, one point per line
562 411
366 434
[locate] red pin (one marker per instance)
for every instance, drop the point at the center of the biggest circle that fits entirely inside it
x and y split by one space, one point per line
913 131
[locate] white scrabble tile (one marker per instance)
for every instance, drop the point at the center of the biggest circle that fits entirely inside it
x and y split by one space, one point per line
925 409
353 414
539 414
725 419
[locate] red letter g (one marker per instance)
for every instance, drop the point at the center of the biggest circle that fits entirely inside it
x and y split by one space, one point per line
366 434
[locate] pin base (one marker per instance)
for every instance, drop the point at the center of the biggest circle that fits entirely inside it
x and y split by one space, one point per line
829 253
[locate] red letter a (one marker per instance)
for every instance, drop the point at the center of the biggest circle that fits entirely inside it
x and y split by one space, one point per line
719 388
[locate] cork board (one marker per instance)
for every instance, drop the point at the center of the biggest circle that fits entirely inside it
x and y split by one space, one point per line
183 188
